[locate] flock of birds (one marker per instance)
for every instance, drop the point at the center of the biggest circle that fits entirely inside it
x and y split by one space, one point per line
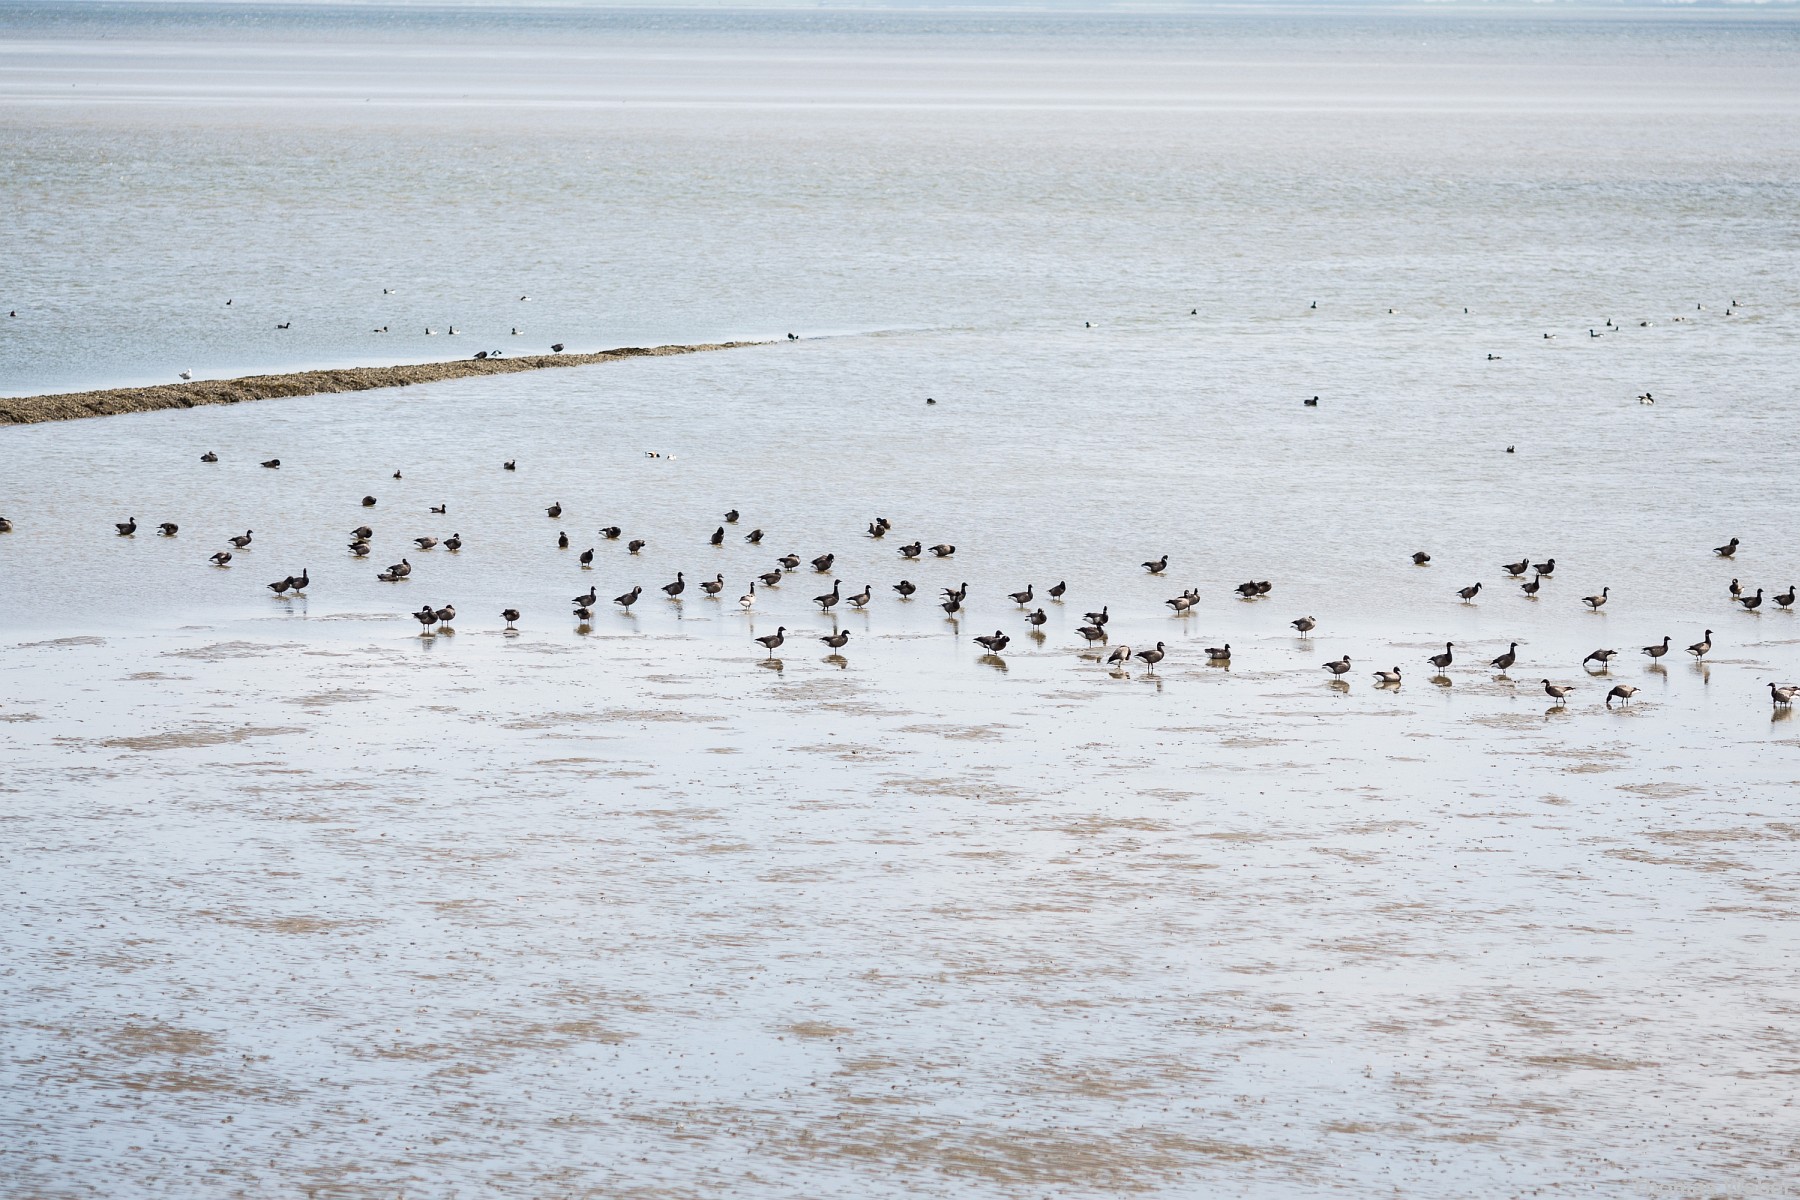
1094 630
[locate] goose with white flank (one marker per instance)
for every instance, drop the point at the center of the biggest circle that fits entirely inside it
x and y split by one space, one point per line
1622 692
1558 692
1340 667
772 642
1152 656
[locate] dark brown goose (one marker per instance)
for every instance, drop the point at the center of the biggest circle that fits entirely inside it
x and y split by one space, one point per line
425 543
1420 558
1557 692
952 606
5 525
1036 619
674 590
713 586
445 615
453 542
222 558
425 616
1727 550
1734 589
958 594
1022 598
789 561
1056 593
861 598
877 529
562 540
1623 692
368 502
910 550
1784 599
273 463
636 544
822 564
1157 566
1752 603
280 586
1120 656
629 598
993 643
731 517
1099 619
611 533
362 533
1247 590
1547 567
718 536
1470 592
829 600
1152 656
1603 657
1442 661
168 529
585 601
1656 652
584 615
1517 568
1531 588
1340 667
770 578
1264 588
906 588
1595 602
241 542
1093 633
440 509
943 551
554 511
301 580
1219 653
1783 696
126 528
1505 661
1701 648
511 615
209 456
1388 678
1183 604
754 537
772 642
510 465
1305 625
836 640
359 549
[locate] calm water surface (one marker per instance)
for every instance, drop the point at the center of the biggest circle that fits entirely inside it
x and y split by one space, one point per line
300 901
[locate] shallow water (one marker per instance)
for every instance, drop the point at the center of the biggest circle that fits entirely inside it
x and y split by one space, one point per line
304 900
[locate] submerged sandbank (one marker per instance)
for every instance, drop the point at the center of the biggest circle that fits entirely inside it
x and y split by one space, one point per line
68 406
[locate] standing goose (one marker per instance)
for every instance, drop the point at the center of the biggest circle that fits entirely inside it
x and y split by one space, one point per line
1420 558
636 544
222 558
748 599
1388 678
453 542
587 557
1752 603
611 533
1340 667
674 590
943 551
511 615
1594 602
836 640
789 561
403 568
1152 656
1036 620
822 564
1531 588
770 578
861 598
168 529
555 510
1219 653
1623 692
1733 588
1056 593
906 588
1783 696
584 614
772 642
713 586
425 543
877 529
829 600
1121 656
993 644
1157 566
1656 652
280 586
1093 633
1505 661
1249 590
425 616
1022 598
1470 592
1556 691
1784 599
1182 604
1603 657
1442 661
587 600
126 528
1100 618
629 598
362 533
958 593
562 540
952 606
754 537
731 517
1546 568
445 615
718 536
241 542
1264 588
1727 550
911 550
301 580
1516 568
